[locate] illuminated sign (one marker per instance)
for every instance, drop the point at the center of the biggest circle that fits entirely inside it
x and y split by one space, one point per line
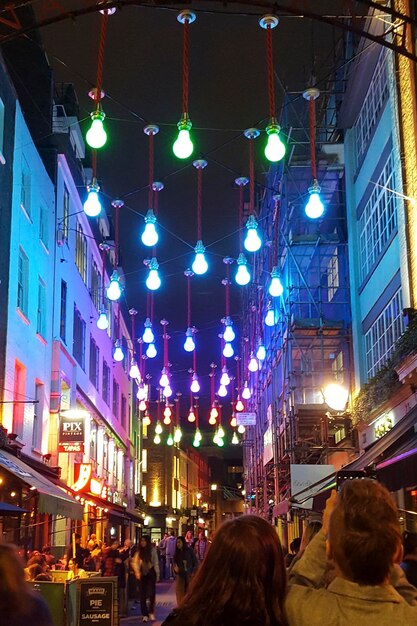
71 433
82 473
383 425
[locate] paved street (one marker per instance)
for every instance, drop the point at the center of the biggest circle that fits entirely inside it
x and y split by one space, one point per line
165 602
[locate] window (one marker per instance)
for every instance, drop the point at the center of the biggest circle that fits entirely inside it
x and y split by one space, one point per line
43 225
378 220
93 442
81 253
63 315
37 415
65 214
94 362
382 335
371 108
337 368
95 285
2 159
23 282
115 399
333 275
78 350
25 191
123 414
19 396
106 383
41 312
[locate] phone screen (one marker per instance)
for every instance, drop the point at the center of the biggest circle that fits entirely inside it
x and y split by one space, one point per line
343 475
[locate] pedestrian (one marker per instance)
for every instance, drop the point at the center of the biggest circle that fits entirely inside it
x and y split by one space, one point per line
169 553
80 553
185 564
241 582
361 535
294 548
189 538
409 563
19 604
200 547
163 556
146 567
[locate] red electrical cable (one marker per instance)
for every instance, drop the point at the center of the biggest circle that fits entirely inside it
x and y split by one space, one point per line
141 361
155 201
238 375
100 60
94 162
165 347
118 321
227 286
152 307
177 412
270 62
103 261
199 196
194 361
196 415
188 301
313 138
148 305
133 336
251 178
151 158
185 69
212 385
241 218
116 237
276 230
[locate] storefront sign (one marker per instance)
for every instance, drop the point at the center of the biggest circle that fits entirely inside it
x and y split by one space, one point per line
268 445
246 419
96 603
71 434
82 475
305 476
383 425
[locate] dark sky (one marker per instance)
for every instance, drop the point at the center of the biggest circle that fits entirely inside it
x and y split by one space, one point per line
227 93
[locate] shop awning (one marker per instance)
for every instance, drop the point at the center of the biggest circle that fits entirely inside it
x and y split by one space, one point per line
11 509
52 499
400 468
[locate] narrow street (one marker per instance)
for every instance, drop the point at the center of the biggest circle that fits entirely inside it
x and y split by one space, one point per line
165 602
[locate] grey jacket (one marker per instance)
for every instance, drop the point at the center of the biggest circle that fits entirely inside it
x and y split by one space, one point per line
344 603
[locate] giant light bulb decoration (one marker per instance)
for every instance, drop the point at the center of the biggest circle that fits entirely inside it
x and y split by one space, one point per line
225 378
275 287
96 136
153 282
167 391
275 148
150 236
189 344
270 317
118 354
253 363
164 380
114 290
134 372
183 146
228 351
148 336
252 241
151 351
222 392
92 205
195 385
103 321
242 276
261 352
246 392
200 265
314 207
229 333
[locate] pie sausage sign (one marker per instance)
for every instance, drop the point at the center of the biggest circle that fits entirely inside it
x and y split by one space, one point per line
97 605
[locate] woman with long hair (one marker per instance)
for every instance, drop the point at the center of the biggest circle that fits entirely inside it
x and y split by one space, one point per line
184 565
241 582
146 568
19 605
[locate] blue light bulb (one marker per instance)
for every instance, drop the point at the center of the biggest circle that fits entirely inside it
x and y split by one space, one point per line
252 242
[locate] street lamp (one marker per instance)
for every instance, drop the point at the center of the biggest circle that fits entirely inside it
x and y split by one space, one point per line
336 396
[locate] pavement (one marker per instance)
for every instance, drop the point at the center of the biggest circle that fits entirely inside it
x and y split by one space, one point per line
165 602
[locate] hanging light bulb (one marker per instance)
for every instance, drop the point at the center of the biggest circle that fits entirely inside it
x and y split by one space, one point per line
150 236
164 380
170 440
275 288
246 393
235 439
148 336
167 420
191 415
214 412
261 352
314 207
183 146
196 442
225 378
212 420
222 391
141 394
241 429
270 317
142 405
221 431
118 354
275 148
195 385
157 439
151 351
96 136
239 405
215 437
189 344
134 370
153 282
228 350
167 411
167 391
103 321
92 205
253 363
177 434
220 442
158 428
198 435
147 419
242 276
200 265
252 241
114 290
233 421
229 334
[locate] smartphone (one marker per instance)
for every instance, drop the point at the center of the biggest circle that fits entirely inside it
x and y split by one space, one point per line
343 475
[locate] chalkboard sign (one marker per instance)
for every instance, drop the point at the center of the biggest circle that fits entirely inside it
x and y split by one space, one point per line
97 602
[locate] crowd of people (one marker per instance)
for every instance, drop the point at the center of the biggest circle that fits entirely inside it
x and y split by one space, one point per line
353 568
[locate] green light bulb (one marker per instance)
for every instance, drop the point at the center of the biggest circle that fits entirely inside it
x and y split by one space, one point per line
275 148
183 146
96 136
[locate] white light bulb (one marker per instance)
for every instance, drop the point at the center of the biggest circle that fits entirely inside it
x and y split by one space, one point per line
229 333
92 206
151 351
134 370
157 439
253 364
183 146
275 288
102 322
114 290
158 428
246 393
148 336
170 440
153 282
222 391
198 435
235 439
228 350
220 442
195 385
241 429
118 354
261 352
149 235
275 148
270 317
164 380
167 391
314 207
242 275
177 434
200 265
141 394
216 437
220 432
225 378
252 241
189 344
196 442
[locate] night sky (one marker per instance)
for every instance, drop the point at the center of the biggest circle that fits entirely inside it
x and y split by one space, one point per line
227 93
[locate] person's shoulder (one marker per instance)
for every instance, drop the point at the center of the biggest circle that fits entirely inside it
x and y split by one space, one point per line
173 619
39 611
